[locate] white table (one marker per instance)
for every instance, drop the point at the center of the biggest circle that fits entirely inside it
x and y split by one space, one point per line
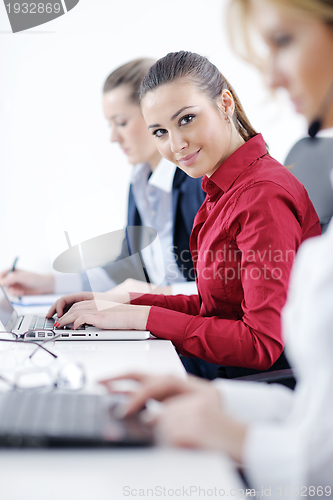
116 474
104 358
108 358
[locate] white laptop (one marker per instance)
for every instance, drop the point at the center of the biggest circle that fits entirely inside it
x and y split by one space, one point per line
10 321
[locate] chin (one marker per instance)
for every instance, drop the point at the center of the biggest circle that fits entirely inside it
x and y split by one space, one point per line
192 173
309 114
195 175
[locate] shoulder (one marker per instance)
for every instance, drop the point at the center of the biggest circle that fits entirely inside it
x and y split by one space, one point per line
271 177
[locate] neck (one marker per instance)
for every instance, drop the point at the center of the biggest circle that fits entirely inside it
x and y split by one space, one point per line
236 141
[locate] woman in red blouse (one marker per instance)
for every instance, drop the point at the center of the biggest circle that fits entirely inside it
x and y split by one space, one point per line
245 235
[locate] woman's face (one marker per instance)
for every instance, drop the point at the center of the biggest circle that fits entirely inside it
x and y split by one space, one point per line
128 127
300 56
189 130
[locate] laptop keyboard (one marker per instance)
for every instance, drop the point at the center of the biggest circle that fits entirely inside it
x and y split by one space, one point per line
40 322
52 414
29 418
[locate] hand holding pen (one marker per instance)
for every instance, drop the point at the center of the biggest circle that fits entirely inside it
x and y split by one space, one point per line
26 283
6 272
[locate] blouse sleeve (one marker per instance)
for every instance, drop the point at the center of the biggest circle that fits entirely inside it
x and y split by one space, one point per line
188 304
255 402
275 459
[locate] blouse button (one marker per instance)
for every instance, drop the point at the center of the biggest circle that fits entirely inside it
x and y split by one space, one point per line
209 207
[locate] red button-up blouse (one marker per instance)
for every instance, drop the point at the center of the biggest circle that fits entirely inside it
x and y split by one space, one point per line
243 243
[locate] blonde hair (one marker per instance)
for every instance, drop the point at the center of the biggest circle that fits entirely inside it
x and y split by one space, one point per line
239 21
131 75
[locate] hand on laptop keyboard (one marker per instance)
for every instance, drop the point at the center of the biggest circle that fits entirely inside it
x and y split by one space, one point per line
70 327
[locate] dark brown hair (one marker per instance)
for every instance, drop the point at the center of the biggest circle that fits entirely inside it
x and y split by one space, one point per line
130 74
204 74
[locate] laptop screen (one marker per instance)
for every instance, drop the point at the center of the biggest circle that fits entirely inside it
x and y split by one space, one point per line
8 314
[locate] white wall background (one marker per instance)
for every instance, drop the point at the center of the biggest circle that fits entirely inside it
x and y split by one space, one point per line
57 169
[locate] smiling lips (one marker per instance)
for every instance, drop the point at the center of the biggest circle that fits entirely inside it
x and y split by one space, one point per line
189 159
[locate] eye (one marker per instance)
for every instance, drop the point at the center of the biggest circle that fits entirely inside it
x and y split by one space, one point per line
160 132
282 40
116 124
186 119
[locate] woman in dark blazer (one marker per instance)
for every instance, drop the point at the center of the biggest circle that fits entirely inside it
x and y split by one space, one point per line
157 186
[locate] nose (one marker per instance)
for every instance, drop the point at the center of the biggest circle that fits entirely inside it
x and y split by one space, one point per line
177 142
115 136
274 76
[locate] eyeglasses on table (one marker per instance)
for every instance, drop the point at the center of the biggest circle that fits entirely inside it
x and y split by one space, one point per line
42 372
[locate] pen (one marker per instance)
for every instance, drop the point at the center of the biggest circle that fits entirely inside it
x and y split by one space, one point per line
14 264
13 269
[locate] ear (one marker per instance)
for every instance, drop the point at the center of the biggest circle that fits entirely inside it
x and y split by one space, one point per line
226 103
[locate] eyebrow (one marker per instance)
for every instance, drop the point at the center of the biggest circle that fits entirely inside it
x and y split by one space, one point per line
173 116
113 117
